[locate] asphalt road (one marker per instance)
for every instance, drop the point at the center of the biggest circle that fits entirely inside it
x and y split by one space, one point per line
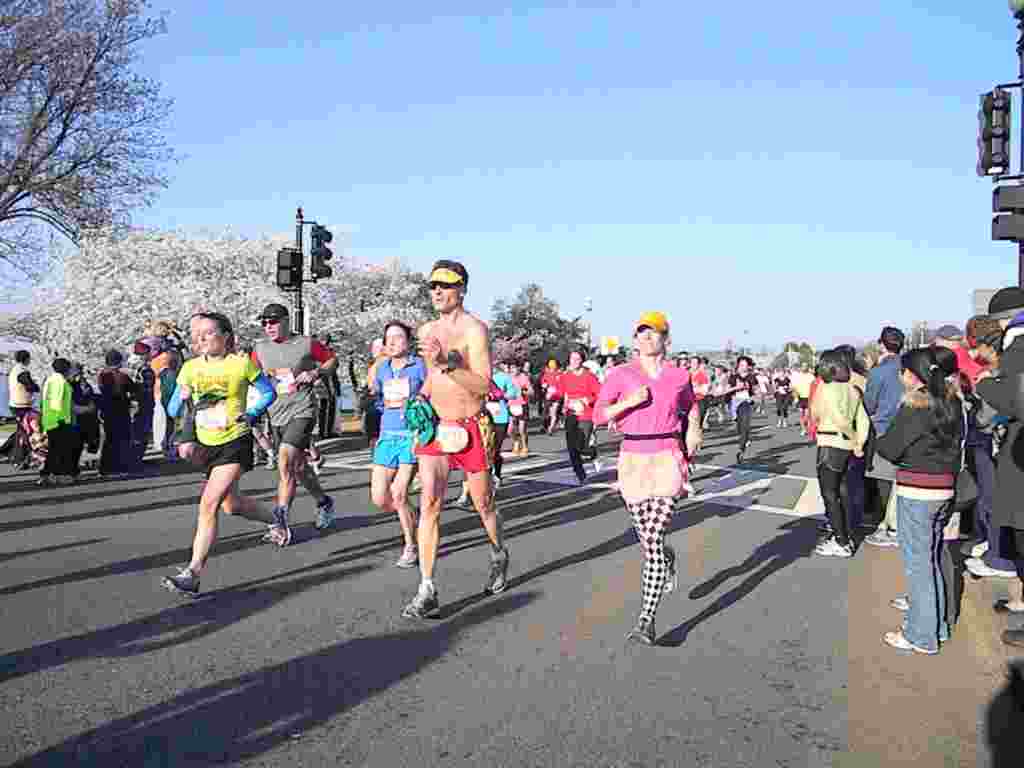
299 656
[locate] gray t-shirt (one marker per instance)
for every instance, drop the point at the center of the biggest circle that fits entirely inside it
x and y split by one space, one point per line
282 362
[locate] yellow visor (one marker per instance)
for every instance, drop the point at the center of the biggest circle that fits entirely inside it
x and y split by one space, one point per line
446 276
655 320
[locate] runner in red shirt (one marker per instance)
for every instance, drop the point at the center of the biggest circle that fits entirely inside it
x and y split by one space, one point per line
549 383
579 388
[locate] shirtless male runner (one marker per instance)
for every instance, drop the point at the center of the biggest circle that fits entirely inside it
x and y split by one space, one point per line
457 350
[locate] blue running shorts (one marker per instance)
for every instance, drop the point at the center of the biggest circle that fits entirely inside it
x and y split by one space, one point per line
393 449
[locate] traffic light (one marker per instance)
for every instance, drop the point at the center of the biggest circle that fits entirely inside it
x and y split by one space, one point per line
1008 202
994 133
319 253
289 269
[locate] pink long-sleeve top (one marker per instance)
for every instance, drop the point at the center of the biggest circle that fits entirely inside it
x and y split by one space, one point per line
671 395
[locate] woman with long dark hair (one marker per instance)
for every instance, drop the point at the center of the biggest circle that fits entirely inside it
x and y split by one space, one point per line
924 441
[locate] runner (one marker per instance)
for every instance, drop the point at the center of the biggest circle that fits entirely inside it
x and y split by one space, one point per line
549 382
645 397
580 389
801 381
701 382
519 413
763 385
217 384
294 362
783 397
743 386
457 351
398 378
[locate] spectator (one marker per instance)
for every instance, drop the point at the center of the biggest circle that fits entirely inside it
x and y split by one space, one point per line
22 390
116 393
57 424
882 397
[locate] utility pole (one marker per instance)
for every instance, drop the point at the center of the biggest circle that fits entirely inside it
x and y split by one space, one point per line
300 315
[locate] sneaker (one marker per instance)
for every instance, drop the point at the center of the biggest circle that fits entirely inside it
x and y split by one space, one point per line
828 548
977 550
900 603
643 632
278 532
463 500
497 579
324 514
978 568
883 537
410 557
670 582
184 583
897 640
424 606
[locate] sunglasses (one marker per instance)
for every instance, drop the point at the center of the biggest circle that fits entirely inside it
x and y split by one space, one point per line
265 321
442 286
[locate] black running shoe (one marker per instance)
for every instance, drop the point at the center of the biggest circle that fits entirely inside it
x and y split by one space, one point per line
643 632
424 606
184 583
497 580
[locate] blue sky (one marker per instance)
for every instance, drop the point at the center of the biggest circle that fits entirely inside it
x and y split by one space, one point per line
760 171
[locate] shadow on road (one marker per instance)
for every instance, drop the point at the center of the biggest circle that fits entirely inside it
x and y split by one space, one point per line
246 716
43 498
5 556
798 540
181 624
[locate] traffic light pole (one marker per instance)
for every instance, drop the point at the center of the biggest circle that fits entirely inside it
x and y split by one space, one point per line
1020 77
300 316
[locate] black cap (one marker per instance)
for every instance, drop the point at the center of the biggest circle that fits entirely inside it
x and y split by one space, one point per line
1006 303
273 312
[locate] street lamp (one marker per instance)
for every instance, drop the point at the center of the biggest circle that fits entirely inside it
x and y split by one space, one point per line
588 305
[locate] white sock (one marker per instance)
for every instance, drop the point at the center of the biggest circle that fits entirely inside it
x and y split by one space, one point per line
427 584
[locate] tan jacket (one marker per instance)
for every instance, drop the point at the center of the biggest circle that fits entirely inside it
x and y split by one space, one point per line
838 410
20 397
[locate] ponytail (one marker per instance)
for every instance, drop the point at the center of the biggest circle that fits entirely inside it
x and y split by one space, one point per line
932 365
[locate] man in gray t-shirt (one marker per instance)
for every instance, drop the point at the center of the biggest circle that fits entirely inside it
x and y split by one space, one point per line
294 363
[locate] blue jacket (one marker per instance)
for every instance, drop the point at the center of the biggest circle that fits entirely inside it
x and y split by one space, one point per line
883 393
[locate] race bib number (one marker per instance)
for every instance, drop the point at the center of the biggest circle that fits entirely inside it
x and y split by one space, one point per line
577 406
494 409
396 392
214 418
285 381
515 409
742 396
452 438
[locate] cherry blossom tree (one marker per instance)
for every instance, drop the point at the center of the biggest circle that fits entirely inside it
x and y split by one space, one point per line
115 283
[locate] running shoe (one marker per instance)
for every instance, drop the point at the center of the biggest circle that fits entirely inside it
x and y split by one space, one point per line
184 583
463 500
643 632
497 579
670 582
410 557
278 532
271 463
897 640
900 603
883 537
979 568
324 514
424 606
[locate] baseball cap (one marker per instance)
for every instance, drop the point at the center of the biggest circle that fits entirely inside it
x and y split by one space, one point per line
654 320
949 332
273 312
1006 303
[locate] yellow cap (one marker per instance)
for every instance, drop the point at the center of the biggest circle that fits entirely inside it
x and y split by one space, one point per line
655 320
446 276
552 364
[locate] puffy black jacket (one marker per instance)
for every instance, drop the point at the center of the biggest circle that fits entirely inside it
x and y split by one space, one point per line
912 443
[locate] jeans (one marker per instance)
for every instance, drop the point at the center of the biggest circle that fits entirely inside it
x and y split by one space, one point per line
744 412
982 467
856 495
920 525
832 466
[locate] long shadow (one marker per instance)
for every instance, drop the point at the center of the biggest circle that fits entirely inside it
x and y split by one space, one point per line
70 498
183 623
693 516
5 556
18 525
246 716
797 541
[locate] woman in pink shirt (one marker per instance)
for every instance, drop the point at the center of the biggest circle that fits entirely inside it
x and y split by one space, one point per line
644 398
519 411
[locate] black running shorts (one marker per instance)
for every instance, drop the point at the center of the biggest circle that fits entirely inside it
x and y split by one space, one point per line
238 451
297 433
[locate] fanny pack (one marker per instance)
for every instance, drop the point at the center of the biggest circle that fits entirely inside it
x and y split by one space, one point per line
516 409
452 437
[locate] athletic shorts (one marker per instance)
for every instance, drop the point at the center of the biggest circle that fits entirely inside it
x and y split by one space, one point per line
393 449
476 456
802 403
238 451
297 433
